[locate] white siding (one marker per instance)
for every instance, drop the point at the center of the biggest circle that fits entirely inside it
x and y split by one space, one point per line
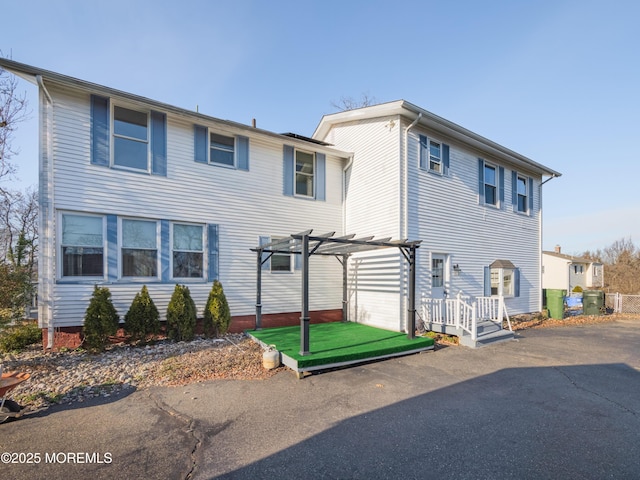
372 207
245 205
444 212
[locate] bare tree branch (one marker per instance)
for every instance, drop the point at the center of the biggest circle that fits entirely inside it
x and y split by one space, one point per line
350 103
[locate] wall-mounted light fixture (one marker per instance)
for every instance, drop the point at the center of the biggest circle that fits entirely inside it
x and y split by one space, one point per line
457 270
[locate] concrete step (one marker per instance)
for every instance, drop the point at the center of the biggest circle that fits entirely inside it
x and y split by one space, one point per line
487 326
486 338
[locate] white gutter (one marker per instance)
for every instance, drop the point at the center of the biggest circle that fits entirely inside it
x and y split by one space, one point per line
344 195
404 234
46 197
540 299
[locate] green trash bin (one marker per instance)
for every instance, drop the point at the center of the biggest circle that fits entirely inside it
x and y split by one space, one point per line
555 303
592 302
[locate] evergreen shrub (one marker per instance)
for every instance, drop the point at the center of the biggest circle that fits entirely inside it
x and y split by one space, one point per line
181 315
143 318
101 319
216 313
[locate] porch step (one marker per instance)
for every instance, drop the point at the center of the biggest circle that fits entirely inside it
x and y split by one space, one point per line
492 334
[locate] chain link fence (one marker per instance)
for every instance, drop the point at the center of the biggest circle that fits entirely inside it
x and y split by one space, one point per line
620 303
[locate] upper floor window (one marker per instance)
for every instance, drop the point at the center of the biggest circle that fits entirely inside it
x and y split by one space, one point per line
304 173
139 248
490 185
82 246
578 269
188 251
130 138
522 194
435 156
221 149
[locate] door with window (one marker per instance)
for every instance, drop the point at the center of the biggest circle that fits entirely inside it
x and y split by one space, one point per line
438 275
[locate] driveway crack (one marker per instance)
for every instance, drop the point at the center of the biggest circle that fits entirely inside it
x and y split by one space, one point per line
191 430
580 387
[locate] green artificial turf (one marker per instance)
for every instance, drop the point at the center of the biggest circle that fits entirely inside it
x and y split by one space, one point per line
339 342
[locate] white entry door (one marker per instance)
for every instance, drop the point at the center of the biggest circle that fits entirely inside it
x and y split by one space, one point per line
438 275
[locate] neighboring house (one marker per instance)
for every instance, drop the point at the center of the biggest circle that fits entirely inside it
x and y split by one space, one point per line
566 272
134 191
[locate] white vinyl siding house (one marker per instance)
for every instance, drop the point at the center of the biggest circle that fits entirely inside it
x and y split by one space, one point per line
416 176
136 192
566 272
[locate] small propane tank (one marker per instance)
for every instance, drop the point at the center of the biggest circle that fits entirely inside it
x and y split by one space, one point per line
271 358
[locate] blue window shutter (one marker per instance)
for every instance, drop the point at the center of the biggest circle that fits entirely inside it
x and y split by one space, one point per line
112 248
321 176
514 189
158 143
445 159
531 195
288 170
263 241
481 180
214 246
200 144
516 282
424 153
99 130
165 251
487 281
242 144
501 181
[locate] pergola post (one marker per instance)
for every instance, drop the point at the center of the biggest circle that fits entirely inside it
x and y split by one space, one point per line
304 319
345 293
411 319
259 291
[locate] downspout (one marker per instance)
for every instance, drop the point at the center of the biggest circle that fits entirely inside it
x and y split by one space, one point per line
404 233
45 282
344 194
540 299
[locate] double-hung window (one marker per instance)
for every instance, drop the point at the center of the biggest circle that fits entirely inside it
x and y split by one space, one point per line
139 248
221 149
280 262
522 194
130 138
188 251
490 185
82 246
435 156
304 173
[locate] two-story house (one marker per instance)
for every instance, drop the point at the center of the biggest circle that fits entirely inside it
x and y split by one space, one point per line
566 272
134 191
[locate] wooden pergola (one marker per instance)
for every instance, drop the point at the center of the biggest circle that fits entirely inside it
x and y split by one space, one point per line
305 244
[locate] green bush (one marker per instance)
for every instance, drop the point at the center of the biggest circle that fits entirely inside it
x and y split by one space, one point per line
100 320
181 315
216 313
142 319
20 336
577 289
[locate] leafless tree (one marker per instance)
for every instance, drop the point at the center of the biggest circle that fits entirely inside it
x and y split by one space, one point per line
621 262
350 103
13 110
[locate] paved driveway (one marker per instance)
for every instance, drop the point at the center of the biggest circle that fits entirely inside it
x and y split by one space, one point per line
557 403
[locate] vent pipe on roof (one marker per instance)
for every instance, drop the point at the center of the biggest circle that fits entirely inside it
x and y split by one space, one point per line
558 249
253 122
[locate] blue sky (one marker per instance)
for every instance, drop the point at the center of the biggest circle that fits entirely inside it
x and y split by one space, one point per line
557 81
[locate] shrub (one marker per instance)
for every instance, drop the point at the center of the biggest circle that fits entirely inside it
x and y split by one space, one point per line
577 289
100 320
216 313
20 336
142 319
181 315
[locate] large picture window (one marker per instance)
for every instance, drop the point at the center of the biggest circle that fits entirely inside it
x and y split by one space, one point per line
130 138
139 248
188 251
304 173
82 246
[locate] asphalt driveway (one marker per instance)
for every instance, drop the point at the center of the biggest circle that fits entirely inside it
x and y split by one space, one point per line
557 403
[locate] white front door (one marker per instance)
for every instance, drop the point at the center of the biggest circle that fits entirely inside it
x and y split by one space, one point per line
439 275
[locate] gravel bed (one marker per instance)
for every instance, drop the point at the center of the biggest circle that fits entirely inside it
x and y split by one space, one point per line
76 375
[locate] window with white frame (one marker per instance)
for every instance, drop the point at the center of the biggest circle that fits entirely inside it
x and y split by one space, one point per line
435 156
280 262
221 149
502 282
522 194
188 251
82 246
437 272
139 248
130 138
578 269
304 163
490 185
